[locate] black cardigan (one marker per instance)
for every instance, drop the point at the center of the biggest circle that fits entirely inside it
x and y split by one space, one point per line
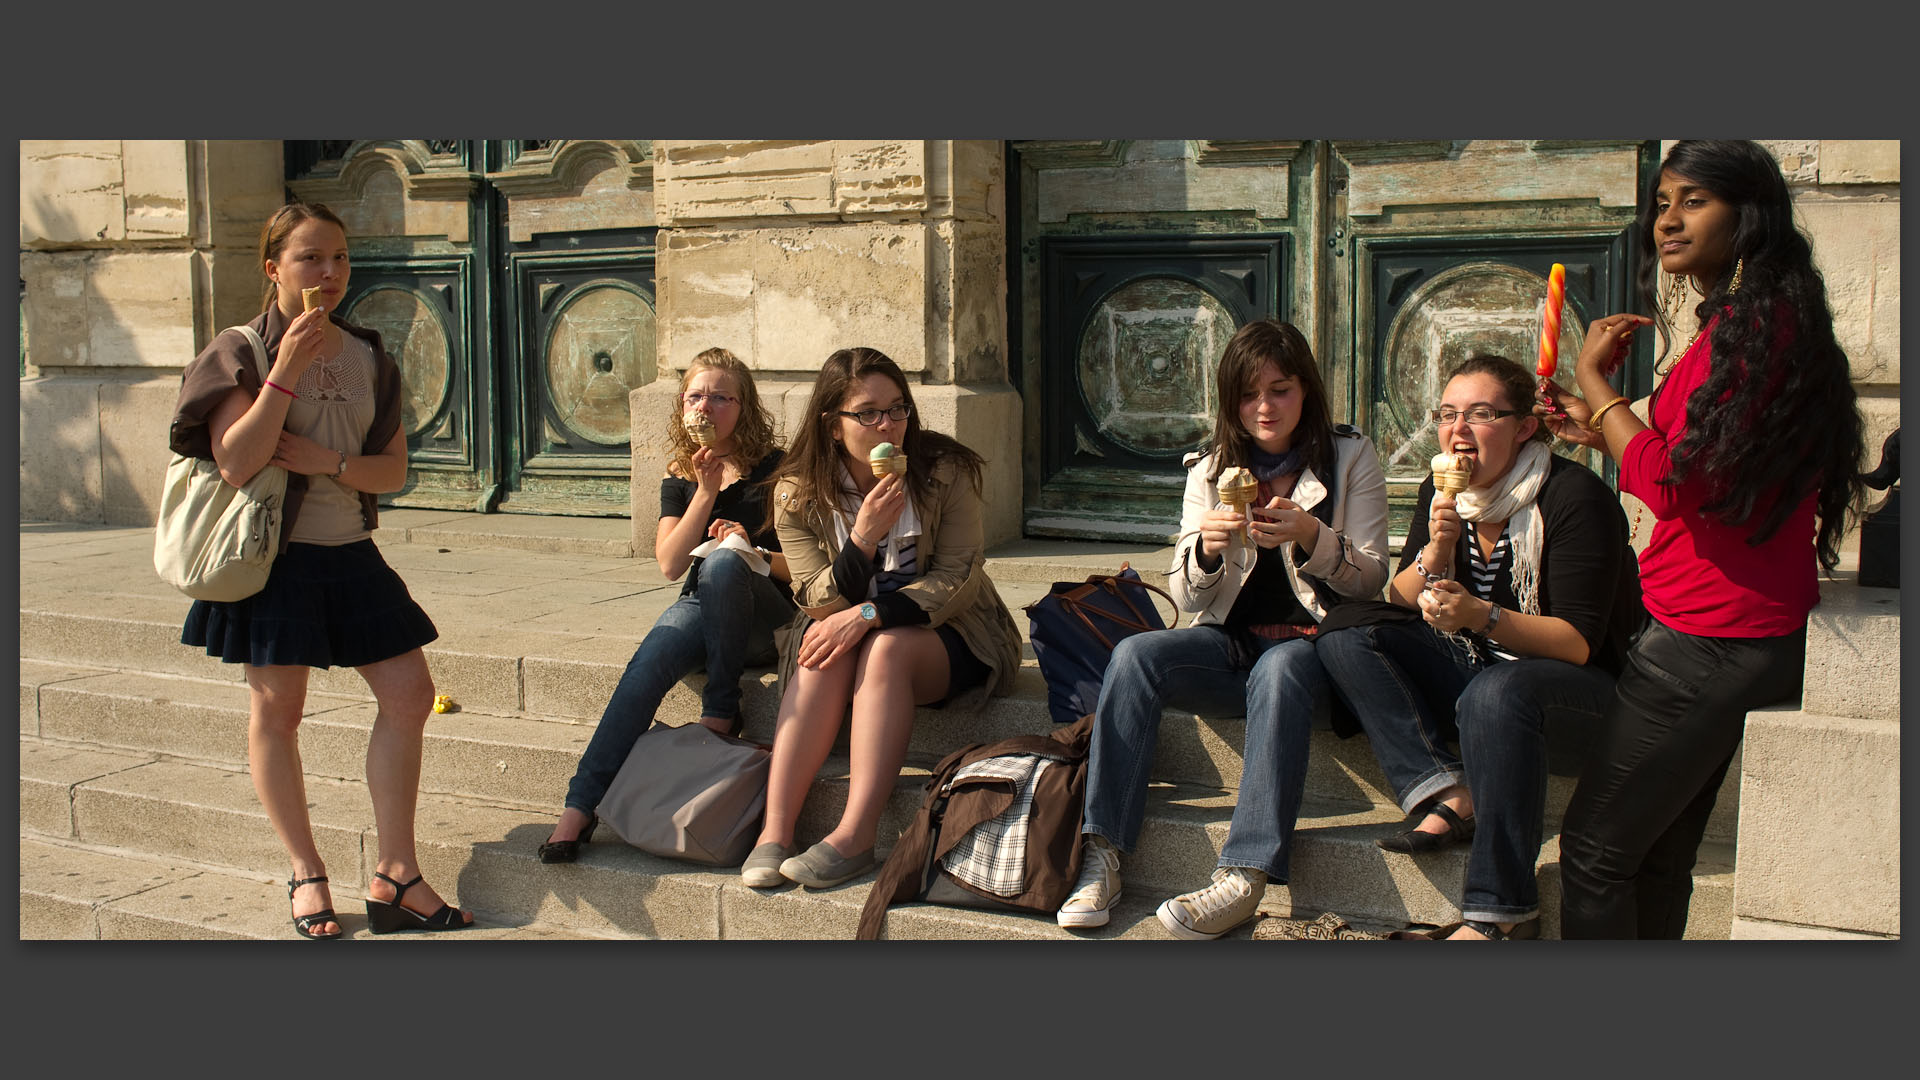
1588 573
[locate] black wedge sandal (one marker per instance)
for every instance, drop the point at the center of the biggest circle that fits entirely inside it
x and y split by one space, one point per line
566 851
1413 841
384 917
304 924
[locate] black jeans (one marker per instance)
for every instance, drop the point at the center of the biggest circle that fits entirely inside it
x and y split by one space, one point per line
1633 828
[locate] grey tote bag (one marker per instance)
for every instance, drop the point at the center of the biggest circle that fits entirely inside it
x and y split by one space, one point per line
688 793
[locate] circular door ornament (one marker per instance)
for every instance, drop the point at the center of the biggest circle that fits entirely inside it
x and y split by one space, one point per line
599 348
415 335
1468 310
1145 364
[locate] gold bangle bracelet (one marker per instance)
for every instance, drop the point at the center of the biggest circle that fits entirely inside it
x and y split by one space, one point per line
1593 422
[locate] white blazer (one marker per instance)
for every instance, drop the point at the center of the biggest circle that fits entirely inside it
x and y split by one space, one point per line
1350 556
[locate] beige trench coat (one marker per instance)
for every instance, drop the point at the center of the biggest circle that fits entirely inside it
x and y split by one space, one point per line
954 590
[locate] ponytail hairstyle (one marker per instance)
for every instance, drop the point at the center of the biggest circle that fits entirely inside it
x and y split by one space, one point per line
279 227
1516 384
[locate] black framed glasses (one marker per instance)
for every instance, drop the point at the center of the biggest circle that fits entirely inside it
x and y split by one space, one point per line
694 399
870 417
1478 415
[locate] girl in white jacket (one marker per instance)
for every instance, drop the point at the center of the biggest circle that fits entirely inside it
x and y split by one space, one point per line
1258 586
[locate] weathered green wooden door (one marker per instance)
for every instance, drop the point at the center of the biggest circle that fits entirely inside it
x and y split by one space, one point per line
1138 260
513 280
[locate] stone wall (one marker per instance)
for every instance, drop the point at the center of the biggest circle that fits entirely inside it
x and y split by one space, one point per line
134 254
785 251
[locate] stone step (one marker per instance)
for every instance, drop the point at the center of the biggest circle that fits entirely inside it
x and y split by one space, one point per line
526 759
71 891
485 854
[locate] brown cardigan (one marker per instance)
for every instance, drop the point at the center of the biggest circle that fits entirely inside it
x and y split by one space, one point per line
228 362
954 590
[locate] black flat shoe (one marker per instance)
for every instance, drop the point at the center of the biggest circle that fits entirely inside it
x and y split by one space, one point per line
1522 931
385 917
1413 841
565 851
304 924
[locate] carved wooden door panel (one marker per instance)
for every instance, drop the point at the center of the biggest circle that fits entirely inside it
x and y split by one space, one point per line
513 282
1443 250
1137 261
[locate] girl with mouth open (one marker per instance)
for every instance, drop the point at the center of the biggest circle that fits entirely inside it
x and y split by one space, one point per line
1754 435
1526 599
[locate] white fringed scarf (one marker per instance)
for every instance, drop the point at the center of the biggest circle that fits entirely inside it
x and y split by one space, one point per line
1513 500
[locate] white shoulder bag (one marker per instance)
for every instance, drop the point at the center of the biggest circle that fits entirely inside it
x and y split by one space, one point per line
215 541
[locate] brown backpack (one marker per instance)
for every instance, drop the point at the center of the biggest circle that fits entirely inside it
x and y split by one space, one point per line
953 809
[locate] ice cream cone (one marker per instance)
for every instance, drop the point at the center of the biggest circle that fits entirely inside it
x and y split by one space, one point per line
886 458
1238 489
1451 472
700 426
310 298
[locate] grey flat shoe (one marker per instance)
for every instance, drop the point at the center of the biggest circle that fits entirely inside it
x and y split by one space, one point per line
821 867
762 868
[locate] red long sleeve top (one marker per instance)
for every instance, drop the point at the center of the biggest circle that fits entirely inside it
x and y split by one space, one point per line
1698 574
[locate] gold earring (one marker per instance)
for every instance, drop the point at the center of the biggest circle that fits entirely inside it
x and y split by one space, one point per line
1734 285
1676 302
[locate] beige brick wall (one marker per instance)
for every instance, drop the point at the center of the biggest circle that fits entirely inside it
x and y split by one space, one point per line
133 254
785 251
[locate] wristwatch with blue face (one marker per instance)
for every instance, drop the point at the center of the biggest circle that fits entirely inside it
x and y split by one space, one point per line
869 612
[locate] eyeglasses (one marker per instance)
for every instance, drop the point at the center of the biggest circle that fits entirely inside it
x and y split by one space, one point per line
870 417
718 401
1480 415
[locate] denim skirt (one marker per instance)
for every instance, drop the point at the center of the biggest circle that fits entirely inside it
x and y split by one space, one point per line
323 606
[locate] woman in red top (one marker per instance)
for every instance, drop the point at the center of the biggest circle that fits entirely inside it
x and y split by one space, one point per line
1749 471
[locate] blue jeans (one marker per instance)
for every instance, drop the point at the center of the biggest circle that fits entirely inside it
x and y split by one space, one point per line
728 620
1191 670
1410 686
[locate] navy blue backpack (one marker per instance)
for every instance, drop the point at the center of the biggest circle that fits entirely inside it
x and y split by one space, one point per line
1075 627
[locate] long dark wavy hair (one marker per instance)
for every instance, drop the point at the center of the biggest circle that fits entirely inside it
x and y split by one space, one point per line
1250 349
814 458
1777 418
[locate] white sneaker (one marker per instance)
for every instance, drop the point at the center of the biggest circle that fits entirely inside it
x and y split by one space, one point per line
1098 888
1205 914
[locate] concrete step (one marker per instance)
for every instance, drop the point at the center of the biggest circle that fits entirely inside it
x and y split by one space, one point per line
484 854
71 891
526 757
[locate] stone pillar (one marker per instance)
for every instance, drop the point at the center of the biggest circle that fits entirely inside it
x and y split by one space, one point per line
786 251
134 254
1818 854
